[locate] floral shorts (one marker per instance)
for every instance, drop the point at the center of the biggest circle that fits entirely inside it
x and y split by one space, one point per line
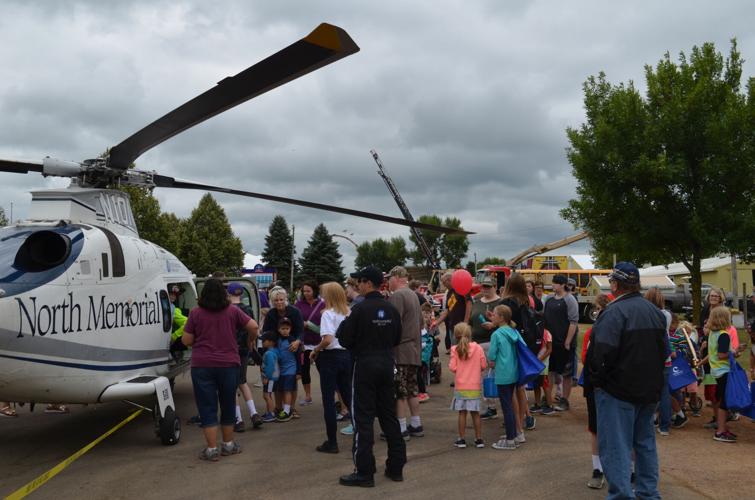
405 381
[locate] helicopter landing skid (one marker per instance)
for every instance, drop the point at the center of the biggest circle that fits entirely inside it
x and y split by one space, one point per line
167 423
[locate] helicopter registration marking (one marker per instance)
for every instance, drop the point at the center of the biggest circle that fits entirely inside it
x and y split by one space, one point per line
67 317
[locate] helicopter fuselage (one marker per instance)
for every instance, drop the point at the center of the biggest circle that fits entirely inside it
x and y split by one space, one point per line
83 300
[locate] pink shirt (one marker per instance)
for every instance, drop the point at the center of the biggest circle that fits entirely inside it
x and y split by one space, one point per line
734 337
215 344
468 371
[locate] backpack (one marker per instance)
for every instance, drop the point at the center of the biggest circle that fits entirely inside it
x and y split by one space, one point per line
532 328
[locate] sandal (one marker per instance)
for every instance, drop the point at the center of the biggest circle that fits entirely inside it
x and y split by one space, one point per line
7 411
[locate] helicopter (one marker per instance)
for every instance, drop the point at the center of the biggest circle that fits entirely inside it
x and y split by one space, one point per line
85 313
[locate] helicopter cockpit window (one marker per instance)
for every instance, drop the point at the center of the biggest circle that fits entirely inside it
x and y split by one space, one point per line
167 315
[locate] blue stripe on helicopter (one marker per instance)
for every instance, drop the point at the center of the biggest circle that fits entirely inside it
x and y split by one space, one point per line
103 368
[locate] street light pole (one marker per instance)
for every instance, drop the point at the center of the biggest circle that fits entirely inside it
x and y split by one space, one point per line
346 238
293 252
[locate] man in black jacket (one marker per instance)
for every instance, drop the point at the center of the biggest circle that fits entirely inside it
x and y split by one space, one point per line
370 332
628 347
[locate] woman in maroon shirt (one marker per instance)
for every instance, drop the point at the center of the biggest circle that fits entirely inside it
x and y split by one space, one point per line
311 306
211 332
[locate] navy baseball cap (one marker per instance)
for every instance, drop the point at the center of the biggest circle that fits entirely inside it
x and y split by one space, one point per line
370 273
235 288
626 272
269 336
559 279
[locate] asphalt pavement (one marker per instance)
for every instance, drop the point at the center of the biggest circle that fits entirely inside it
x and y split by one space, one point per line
279 460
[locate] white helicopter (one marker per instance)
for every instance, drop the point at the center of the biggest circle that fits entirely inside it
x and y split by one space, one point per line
85 315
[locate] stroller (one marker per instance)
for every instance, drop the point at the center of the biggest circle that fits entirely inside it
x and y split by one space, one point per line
691 353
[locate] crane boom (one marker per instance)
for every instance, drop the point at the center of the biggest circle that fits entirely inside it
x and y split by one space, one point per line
538 249
405 211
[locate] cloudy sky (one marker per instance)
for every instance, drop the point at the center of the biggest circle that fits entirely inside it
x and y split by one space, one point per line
466 102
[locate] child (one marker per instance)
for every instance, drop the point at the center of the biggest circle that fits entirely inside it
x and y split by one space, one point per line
270 373
467 362
428 335
503 358
682 348
719 345
537 384
286 385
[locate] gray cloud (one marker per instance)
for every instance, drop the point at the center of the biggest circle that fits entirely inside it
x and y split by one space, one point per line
466 103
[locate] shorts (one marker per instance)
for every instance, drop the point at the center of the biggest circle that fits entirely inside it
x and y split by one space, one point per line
711 392
242 368
213 387
721 391
460 404
269 387
405 382
285 383
561 360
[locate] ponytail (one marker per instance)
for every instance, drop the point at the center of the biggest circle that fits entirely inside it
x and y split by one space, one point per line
463 334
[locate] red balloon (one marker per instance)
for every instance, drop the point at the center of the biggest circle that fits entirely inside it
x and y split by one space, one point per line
461 281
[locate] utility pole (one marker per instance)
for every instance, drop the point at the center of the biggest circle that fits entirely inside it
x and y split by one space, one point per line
293 253
734 290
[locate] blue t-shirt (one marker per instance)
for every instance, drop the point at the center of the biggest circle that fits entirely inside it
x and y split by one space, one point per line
286 358
270 364
503 352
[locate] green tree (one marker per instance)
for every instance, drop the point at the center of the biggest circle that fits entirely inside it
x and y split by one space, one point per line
159 227
279 247
321 261
450 248
487 261
668 176
433 239
454 246
3 218
208 243
381 253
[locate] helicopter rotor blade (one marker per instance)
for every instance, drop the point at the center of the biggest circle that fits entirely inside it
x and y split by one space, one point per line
20 167
170 182
326 44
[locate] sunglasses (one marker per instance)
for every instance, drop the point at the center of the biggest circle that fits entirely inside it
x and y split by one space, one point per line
363 280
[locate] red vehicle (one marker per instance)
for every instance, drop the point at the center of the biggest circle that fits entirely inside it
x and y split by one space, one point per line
499 274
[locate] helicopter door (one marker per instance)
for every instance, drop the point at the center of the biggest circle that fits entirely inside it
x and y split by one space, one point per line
250 297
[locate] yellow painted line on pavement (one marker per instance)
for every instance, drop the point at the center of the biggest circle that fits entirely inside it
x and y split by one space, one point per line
42 479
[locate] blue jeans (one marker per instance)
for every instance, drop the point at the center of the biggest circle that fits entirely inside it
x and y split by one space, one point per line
212 385
506 395
623 427
335 374
664 406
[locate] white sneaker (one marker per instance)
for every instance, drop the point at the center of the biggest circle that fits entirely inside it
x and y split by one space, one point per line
519 439
503 444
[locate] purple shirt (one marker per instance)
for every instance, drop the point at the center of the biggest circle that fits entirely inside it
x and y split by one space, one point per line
215 336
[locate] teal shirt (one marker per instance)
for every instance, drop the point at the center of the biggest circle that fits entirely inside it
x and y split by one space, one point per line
503 353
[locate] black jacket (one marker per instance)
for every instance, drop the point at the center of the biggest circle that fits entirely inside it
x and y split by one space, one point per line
628 350
373 327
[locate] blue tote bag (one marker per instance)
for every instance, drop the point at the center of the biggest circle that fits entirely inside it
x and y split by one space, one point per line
750 412
738 396
681 374
529 366
489 389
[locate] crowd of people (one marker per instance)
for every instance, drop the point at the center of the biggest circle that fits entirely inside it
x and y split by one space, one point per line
374 341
